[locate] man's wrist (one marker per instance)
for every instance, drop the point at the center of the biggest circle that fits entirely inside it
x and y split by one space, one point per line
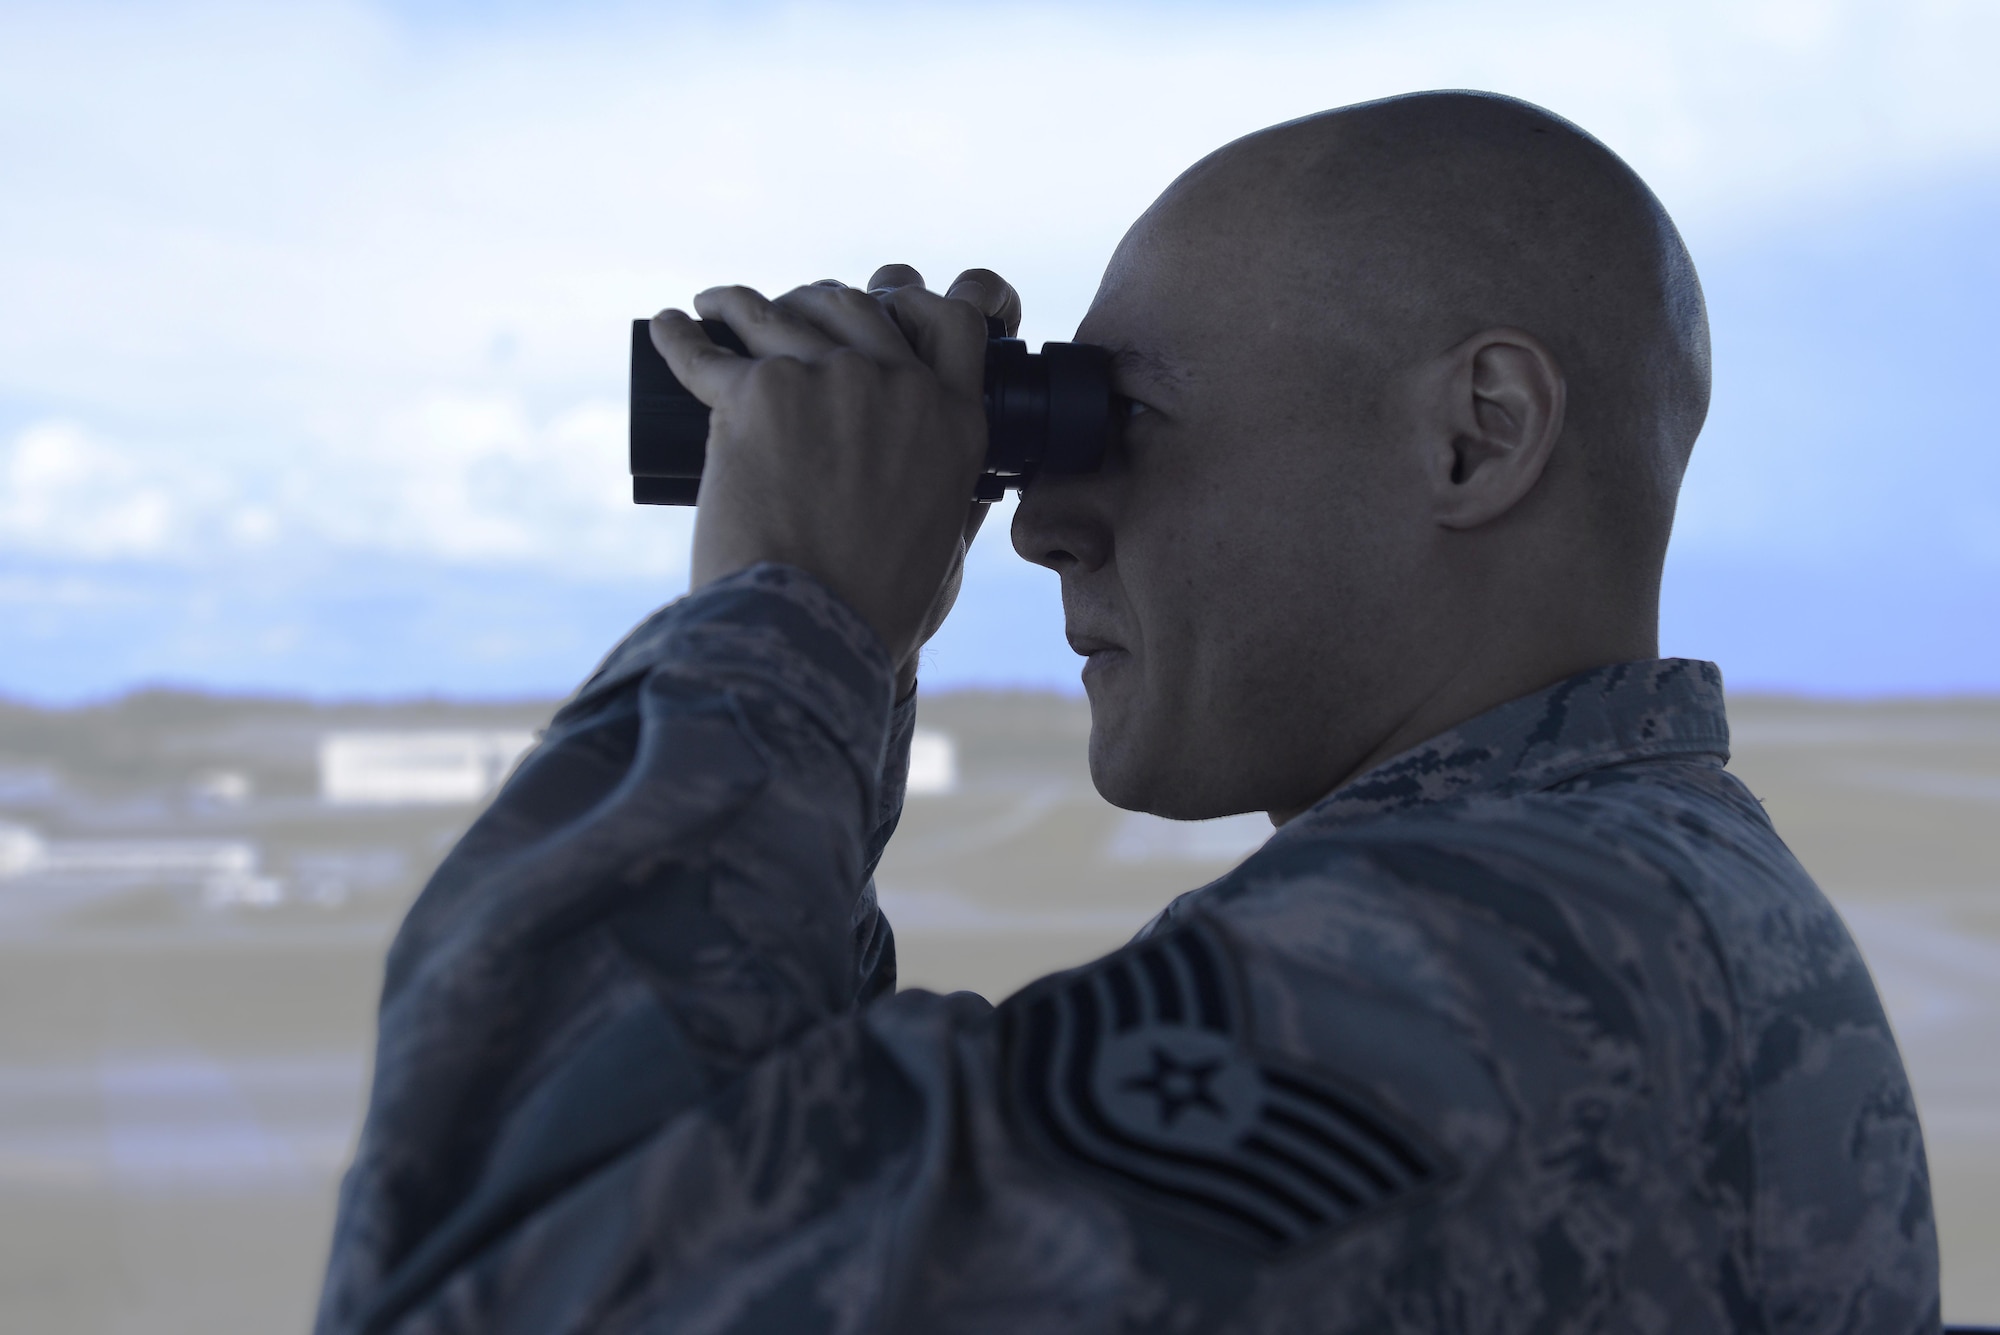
773 624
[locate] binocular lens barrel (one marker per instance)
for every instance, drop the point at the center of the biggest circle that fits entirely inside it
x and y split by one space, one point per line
1052 411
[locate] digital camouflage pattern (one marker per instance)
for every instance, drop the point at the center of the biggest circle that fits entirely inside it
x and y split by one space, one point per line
1537 1027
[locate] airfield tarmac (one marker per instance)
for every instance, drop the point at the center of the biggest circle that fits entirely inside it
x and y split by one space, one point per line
181 1070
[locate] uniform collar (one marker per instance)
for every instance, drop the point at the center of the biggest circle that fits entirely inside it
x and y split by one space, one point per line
1606 716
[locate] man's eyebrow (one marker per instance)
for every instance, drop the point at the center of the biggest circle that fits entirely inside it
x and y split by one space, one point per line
1149 366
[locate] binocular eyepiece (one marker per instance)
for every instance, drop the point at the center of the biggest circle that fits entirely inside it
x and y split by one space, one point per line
1052 411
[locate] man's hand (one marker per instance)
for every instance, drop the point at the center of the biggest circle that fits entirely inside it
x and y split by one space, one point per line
847 443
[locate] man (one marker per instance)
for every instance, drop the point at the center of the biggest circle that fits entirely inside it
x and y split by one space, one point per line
1524 1019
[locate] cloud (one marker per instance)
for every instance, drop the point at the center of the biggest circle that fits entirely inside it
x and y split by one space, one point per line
256 213
477 478
461 478
66 493
329 281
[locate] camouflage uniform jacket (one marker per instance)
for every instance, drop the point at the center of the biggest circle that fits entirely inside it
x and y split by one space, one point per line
1537 1027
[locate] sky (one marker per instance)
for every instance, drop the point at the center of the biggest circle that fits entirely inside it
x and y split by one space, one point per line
313 317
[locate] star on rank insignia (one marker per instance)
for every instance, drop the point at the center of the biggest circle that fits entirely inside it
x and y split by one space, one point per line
1135 1068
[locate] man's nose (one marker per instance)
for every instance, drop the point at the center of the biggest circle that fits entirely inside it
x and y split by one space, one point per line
1060 524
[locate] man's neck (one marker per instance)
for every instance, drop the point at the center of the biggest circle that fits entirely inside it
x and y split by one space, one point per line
1478 685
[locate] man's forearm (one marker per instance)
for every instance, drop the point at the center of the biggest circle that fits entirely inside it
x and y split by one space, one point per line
671 885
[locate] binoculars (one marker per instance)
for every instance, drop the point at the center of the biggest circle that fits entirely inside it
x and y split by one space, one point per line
1053 411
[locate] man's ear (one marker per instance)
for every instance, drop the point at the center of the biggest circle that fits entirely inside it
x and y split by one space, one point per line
1497 424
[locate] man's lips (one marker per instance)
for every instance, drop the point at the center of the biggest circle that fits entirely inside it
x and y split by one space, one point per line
1095 648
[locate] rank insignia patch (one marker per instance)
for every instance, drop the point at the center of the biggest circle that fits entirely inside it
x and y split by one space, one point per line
1134 1067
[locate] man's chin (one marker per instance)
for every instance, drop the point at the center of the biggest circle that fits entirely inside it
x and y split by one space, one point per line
1124 768
1111 770
1141 760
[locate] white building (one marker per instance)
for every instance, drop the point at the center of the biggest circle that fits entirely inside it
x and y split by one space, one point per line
21 850
165 860
398 768
225 870
933 763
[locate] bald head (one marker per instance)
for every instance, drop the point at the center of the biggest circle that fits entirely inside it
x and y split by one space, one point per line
1405 225
1415 383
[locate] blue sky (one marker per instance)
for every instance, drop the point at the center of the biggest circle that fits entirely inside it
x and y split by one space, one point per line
312 317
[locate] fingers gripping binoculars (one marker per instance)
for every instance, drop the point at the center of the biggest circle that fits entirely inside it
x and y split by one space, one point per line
1052 411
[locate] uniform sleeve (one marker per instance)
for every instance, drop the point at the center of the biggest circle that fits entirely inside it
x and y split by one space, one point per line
639 1067
674 884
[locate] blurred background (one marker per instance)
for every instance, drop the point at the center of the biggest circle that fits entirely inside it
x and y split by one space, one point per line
313 502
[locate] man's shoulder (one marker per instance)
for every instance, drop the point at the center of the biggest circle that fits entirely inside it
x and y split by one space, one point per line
1631 838
1452 1007
1551 940
1570 935
1626 968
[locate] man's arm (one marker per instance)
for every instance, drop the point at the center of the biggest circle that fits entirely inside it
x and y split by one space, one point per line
676 881
671 886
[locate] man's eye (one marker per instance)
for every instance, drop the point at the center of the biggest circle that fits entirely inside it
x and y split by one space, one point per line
1130 408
